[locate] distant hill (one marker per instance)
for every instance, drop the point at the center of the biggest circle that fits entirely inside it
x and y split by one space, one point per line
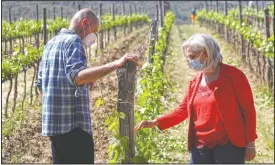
27 9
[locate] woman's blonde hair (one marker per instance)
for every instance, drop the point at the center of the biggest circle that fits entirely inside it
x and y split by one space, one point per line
202 42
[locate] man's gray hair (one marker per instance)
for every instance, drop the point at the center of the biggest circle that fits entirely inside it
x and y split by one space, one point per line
200 42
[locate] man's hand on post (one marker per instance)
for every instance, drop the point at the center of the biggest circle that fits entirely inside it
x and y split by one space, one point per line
127 57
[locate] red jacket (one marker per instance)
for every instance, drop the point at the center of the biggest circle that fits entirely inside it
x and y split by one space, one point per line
237 110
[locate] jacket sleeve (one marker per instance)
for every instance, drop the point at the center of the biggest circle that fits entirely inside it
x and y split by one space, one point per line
245 99
175 117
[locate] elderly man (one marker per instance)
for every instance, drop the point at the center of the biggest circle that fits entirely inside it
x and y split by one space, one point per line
63 80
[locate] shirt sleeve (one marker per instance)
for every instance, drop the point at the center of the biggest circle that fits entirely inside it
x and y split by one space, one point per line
75 61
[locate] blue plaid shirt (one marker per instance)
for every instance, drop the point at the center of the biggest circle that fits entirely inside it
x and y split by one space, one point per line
65 105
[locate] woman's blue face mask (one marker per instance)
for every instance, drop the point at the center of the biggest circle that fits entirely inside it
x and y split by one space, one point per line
196 64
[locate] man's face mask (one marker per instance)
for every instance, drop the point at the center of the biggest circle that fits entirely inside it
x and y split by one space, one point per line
90 39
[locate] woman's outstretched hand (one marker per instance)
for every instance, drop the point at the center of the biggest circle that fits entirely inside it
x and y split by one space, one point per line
146 124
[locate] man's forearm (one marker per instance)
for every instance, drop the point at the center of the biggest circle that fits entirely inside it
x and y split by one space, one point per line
92 74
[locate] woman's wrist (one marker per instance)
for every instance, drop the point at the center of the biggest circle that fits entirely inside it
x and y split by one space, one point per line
250 144
156 122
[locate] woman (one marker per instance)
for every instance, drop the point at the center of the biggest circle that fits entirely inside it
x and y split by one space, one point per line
219 105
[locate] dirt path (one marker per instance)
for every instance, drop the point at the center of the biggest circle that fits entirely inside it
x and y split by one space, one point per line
175 139
178 71
26 145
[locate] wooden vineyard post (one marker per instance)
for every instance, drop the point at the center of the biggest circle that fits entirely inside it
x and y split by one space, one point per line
258 19
241 37
206 7
267 25
61 12
157 13
10 37
139 12
45 38
269 70
135 12
161 13
157 20
131 24
225 27
37 63
273 21
79 7
123 13
37 19
126 88
53 13
218 24
108 31
114 17
211 22
166 7
152 39
101 32
54 17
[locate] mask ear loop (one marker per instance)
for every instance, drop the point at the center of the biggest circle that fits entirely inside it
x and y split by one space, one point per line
85 48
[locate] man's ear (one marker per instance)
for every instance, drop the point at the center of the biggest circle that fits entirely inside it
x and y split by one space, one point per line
84 22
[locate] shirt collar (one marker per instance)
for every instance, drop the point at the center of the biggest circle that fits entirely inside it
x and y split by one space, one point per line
65 30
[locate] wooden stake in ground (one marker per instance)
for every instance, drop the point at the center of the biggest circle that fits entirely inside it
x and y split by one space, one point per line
101 32
114 15
131 24
10 37
225 27
126 88
258 20
123 13
45 38
61 12
241 37
79 7
152 40
161 13
37 19
269 63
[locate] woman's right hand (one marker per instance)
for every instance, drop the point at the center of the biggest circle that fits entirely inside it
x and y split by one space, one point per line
146 124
